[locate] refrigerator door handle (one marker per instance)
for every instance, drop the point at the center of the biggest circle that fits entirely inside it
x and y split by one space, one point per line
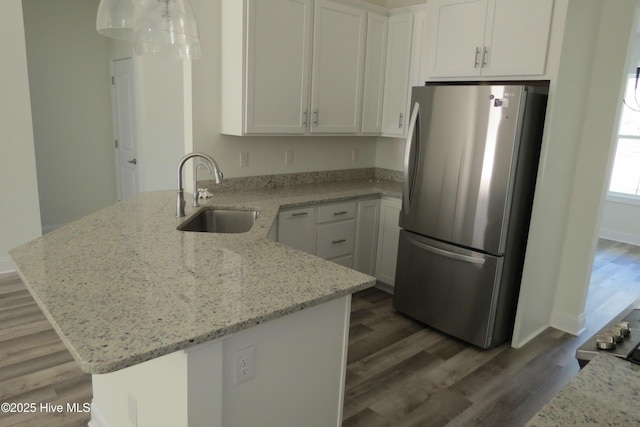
447 254
409 174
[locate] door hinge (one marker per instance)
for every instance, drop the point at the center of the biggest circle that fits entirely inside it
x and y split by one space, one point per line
116 143
113 80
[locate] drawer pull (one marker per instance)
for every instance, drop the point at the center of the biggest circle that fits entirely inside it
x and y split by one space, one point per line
300 213
340 213
335 242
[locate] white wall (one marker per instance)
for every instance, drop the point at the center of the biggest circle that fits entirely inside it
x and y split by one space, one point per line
71 107
574 166
19 209
617 23
620 221
620 217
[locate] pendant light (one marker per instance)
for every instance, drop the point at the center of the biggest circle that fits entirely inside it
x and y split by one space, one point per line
117 19
156 26
168 27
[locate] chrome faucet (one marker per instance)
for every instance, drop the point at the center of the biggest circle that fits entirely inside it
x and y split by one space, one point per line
196 192
210 162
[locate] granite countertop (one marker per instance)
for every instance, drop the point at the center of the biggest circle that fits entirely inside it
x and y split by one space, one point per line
123 286
606 392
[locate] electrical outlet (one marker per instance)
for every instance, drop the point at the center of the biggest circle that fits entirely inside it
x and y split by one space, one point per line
133 410
288 157
244 363
244 159
355 155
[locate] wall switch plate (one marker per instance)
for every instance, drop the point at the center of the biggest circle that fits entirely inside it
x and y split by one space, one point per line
288 157
244 159
244 362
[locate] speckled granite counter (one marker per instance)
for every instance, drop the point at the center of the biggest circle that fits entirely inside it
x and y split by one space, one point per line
123 286
606 392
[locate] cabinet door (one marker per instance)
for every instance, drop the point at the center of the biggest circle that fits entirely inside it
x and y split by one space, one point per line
374 72
367 236
396 87
278 65
388 234
517 37
338 60
456 37
297 229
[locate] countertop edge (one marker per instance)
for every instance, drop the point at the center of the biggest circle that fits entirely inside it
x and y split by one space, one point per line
369 190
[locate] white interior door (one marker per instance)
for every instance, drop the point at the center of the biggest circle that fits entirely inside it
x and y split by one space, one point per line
124 122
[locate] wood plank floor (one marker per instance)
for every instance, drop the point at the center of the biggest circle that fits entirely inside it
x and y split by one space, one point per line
399 373
35 367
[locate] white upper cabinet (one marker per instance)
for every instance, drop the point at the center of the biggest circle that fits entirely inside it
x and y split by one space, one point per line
488 37
338 64
398 74
265 79
278 62
330 67
374 69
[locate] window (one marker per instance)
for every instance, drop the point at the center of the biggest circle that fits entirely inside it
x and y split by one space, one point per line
625 177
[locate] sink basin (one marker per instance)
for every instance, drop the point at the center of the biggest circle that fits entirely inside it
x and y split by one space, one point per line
217 220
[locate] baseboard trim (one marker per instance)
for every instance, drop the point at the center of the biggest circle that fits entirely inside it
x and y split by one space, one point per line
384 287
620 236
6 265
570 324
518 342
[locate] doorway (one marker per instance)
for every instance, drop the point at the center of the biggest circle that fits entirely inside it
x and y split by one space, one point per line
124 127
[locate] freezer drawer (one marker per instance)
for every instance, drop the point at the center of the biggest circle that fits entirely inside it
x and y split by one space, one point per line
448 288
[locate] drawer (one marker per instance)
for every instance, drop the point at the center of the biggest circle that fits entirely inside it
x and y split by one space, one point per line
307 212
335 239
336 212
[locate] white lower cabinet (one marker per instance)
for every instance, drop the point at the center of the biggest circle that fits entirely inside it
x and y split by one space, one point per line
388 234
359 234
335 233
297 228
367 236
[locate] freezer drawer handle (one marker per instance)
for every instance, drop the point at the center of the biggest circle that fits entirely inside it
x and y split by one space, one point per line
448 254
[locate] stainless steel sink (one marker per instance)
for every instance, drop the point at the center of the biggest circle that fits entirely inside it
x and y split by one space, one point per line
217 220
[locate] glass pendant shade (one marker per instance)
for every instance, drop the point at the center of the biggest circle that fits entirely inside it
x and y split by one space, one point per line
168 27
117 19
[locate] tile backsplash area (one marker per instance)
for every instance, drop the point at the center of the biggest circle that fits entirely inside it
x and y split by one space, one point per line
282 180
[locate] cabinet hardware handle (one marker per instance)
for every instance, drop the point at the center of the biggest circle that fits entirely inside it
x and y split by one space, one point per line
304 119
133 162
485 57
401 120
300 213
315 120
477 59
340 213
339 241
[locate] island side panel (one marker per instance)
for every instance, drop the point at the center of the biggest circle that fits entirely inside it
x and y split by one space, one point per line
300 367
152 393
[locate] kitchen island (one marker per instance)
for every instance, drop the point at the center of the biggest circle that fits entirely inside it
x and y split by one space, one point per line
604 393
165 319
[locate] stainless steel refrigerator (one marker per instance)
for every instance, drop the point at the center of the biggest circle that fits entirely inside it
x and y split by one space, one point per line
470 170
